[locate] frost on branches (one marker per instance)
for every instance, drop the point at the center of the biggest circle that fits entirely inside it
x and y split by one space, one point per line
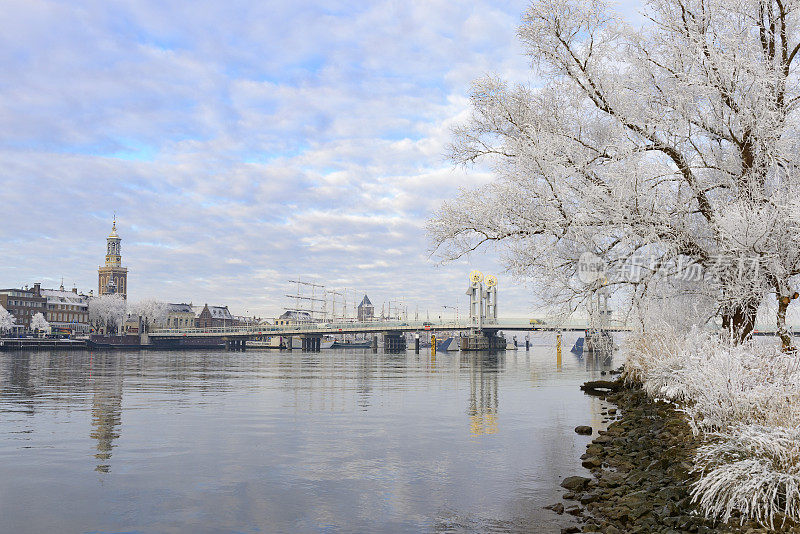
677 143
153 312
6 320
39 323
745 401
107 312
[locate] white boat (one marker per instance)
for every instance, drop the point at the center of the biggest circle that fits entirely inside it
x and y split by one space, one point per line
269 342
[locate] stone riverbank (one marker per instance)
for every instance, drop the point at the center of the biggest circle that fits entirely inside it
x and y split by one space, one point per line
640 467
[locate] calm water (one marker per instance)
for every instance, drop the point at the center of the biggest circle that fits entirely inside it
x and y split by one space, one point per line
266 441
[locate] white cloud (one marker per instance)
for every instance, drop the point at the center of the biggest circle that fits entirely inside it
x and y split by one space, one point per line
242 143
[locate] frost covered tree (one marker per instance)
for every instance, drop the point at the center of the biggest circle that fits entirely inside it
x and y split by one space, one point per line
676 142
39 323
108 312
7 321
153 312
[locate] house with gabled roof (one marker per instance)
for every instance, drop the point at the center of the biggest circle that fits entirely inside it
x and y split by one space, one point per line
215 317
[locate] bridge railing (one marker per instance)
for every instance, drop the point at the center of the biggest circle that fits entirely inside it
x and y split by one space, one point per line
332 327
372 326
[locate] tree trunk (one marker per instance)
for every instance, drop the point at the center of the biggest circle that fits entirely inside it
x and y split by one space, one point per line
739 321
783 331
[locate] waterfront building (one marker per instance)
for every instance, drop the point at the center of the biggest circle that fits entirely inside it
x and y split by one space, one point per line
23 304
366 311
244 320
181 316
67 310
215 317
113 277
291 317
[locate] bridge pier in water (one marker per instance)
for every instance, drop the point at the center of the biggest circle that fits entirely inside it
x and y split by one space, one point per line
394 341
483 340
311 343
236 344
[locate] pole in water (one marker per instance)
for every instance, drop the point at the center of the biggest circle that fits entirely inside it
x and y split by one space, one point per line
433 344
558 351
416 343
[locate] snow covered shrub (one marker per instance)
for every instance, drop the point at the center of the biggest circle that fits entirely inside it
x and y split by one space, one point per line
657 360
645 352
718 383
751 470
745 400
744 384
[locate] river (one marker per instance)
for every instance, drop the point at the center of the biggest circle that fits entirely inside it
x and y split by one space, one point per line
267 441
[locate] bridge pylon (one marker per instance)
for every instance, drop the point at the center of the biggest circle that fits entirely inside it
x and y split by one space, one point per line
482 301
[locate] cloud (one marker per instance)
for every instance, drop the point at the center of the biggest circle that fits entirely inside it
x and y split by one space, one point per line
242 144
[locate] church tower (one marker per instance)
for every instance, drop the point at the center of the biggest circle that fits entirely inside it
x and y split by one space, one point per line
113 278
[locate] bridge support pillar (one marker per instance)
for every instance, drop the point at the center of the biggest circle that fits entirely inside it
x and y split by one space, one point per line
374 343
483 340
311 343
394 341
289 343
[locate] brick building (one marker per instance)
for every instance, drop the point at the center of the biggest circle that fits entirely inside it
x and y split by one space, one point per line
23 304
215 316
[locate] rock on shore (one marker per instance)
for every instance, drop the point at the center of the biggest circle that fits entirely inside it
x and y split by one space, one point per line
641 479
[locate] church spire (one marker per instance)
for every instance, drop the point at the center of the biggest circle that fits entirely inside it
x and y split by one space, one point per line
113 247
113 278
114 228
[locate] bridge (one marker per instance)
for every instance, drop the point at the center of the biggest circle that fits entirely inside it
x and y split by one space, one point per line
483 324
483 321
392 331
320 329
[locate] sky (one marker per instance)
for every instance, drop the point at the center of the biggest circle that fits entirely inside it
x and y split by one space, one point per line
243 144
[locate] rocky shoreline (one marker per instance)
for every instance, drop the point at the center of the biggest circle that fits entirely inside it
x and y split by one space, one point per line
640 468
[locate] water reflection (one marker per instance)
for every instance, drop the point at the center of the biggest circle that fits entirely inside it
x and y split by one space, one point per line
330 441
483 400
106 383
22 387
365 370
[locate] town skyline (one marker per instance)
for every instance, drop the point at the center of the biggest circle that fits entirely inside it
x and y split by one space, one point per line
351 298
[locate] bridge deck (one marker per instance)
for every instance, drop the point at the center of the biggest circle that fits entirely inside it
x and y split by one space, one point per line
365 328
